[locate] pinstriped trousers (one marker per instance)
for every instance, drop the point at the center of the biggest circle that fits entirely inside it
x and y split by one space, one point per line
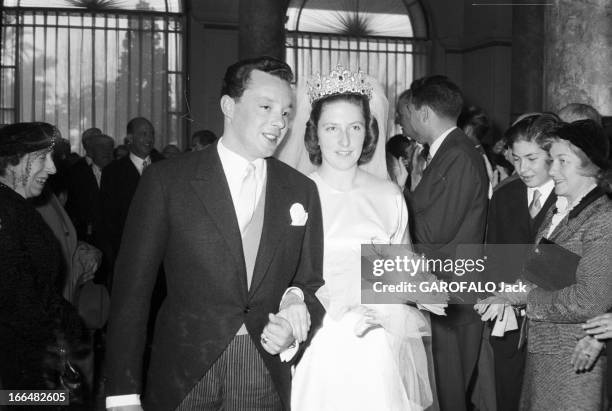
238 380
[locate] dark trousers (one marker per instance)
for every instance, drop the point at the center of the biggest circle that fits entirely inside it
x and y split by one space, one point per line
509 369
238 380
455 351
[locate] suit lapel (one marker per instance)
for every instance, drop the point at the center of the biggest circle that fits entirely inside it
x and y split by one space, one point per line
432 167
210 185
131 170
276 222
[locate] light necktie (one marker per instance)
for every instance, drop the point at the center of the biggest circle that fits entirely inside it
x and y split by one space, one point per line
145 163
247 198
535 206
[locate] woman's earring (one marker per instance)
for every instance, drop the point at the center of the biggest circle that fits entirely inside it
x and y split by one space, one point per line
13 180
26 175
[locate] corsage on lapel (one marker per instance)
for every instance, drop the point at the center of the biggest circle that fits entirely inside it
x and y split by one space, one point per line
299 216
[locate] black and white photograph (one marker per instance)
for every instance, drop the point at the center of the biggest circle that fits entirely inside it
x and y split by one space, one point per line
307 205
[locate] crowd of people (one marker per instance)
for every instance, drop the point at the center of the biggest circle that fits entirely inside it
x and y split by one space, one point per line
235 270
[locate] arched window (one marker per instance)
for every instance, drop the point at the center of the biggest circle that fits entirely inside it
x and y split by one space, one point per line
93 63
385 38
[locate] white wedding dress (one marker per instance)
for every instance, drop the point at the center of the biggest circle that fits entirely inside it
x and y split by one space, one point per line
385 369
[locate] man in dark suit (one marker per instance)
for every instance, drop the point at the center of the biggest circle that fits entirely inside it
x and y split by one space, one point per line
119 181
416 153
516 212
448 207
83 183
241 237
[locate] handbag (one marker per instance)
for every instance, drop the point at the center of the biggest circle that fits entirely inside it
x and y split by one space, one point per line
61 373
551 266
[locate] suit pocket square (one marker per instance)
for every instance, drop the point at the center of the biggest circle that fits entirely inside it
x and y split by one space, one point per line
299 216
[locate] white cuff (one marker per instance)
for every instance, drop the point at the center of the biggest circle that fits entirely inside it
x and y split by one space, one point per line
290 352
122 400
507 323
294 290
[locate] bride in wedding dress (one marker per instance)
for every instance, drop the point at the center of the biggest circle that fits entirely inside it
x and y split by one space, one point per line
364 357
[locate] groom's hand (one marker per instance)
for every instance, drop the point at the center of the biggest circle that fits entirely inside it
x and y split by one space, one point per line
277 335
294 310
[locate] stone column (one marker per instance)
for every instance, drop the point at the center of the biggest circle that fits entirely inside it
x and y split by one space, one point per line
578 54
262 28
527 59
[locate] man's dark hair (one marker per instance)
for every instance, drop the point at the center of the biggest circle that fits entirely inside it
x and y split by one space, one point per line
475 123
131 125
204 137
438 93
398 146
404 97
535 128
238 74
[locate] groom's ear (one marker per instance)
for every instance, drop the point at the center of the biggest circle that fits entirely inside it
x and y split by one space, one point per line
227 106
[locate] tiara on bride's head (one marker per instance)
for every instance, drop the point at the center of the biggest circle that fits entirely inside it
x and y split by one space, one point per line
340 80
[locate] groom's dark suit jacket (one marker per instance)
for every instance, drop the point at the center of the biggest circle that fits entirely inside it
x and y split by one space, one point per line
182 215
449 208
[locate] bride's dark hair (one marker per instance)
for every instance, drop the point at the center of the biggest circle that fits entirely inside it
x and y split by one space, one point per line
311 139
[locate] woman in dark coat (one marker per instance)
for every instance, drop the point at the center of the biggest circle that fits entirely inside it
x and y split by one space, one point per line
34 317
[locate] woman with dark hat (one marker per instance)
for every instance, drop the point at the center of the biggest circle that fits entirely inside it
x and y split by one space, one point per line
570 276
34 318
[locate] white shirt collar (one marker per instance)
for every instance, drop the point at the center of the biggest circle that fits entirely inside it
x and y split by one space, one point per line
138 162
435 146
545 190
234 168
563 207
97 171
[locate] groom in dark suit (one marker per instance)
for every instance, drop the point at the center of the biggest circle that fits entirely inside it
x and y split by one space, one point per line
449 208
240 236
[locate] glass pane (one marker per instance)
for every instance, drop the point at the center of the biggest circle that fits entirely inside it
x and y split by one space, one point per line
173 129
374 18
110 21
7 116
50 74
63 19
87 20
172 52
8 46
174 6
76 74
8 18
39 19
175 25
39 73
7 81
172 92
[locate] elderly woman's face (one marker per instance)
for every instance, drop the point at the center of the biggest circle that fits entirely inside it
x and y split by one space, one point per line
566 171
32 173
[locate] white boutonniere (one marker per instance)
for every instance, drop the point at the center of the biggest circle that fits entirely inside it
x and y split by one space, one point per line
299 216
